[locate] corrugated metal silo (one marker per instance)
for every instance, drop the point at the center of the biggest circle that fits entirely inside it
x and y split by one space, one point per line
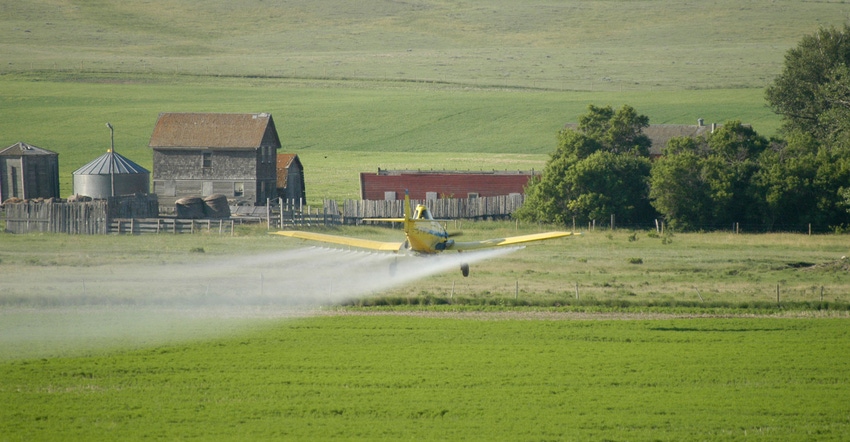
95 179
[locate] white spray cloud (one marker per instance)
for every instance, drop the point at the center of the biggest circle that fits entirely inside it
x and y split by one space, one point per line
68 309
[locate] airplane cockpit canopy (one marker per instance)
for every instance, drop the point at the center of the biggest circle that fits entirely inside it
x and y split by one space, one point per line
422 212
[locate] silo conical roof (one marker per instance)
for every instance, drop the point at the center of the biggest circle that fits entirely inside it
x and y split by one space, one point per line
120 165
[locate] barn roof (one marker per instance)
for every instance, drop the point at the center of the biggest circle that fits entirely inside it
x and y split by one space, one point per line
21 148
284 162
214 131
120 165
286 159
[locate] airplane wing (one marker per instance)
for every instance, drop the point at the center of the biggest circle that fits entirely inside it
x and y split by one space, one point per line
342 240
511 240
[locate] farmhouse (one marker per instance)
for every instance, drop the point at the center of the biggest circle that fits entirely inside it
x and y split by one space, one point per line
28 172
430 185
207 153
290 178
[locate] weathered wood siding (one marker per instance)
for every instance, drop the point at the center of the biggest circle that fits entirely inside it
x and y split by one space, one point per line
87 218
34 176
180 173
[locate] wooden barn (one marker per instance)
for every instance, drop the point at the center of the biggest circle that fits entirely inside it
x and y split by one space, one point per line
28 172
290 178
202 154
431 185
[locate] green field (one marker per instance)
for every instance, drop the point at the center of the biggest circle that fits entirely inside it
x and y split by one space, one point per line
451 377
549 44
354 87
340 132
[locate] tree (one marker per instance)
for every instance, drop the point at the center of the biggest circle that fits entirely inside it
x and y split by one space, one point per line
706 182
802 92
597 171
787 182
618 132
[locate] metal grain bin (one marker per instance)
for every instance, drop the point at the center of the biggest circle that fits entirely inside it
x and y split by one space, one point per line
97 178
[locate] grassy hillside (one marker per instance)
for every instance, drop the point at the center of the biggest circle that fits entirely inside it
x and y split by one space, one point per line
357 86
338 131
554 44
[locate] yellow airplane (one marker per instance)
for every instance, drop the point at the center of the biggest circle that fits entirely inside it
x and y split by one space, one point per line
424 236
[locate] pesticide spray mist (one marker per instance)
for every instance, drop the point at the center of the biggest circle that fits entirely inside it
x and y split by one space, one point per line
69 310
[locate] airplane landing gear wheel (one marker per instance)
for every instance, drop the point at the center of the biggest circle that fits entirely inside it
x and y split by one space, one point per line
464 269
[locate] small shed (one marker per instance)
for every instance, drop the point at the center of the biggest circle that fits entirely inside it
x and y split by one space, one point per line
111 174
28 172
290 178
428 185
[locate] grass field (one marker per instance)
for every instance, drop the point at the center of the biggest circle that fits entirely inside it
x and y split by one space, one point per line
635 267
550 44
339 132
450 377
354 87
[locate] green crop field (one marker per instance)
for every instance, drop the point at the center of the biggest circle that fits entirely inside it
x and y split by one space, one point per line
457 376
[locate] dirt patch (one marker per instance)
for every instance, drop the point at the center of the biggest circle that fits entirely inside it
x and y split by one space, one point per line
839 265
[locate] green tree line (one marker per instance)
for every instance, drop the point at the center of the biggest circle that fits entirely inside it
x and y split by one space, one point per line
731 176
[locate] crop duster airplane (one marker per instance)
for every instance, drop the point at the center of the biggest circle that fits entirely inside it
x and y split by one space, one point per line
423 236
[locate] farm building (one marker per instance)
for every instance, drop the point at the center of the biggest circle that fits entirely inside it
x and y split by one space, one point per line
28 172
290 178
430 185
660 134
201 154
111 174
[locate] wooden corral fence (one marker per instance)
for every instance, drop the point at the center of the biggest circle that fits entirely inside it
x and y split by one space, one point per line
285 214
76 217
136 226
494 207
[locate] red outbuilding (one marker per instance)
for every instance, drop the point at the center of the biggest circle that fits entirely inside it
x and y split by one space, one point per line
429 185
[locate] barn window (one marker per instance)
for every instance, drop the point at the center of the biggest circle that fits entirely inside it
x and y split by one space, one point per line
207 159
471 195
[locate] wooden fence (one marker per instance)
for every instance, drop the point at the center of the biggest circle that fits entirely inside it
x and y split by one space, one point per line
78 217
137 226
494 207
75 218
139 214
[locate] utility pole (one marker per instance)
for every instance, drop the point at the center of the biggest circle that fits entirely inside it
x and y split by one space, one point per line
111 157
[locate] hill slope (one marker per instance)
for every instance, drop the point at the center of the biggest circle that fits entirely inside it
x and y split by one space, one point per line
583 45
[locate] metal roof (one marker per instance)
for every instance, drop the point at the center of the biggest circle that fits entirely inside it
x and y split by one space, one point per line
120 165
21 148
211 131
